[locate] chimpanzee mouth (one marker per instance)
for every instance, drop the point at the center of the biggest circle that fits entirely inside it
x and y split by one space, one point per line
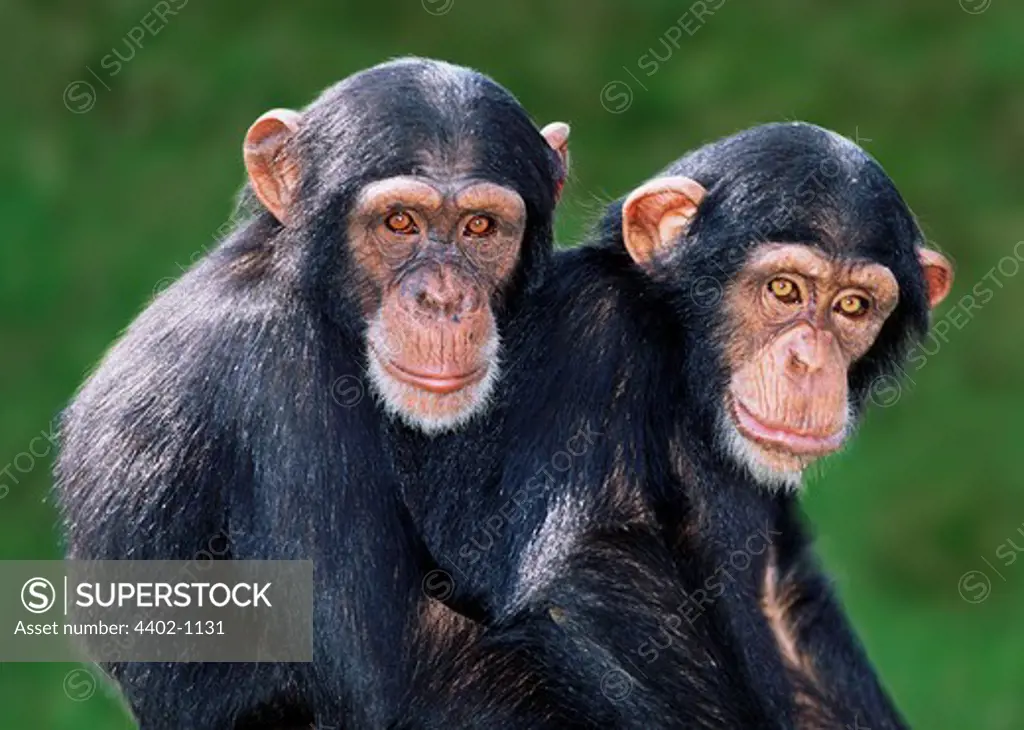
776 438
433 382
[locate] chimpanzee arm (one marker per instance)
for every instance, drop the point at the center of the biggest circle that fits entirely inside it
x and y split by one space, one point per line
820 642
145 470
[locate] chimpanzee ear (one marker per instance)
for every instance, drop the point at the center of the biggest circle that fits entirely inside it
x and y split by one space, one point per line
938 275
557 135
657 214
272 167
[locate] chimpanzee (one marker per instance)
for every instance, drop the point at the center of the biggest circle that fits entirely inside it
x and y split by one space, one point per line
399 222
666 389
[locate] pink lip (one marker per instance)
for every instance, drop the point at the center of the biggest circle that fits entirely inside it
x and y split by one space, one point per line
432 382
785 439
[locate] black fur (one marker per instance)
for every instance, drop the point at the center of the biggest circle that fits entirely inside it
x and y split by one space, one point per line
213 415
639 525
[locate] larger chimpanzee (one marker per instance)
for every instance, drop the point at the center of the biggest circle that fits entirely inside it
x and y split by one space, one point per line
401 219
666 390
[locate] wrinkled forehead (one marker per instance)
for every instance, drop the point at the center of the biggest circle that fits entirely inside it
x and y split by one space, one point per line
813 263
431 195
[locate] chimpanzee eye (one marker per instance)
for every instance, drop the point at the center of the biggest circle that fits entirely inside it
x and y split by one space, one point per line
785 290
480 225
401 222
853 305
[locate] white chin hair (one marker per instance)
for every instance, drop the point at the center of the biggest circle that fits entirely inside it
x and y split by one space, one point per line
432 413
746 455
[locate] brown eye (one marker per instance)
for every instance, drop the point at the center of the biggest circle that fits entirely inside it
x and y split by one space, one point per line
853 306
480 225
401 222
785 290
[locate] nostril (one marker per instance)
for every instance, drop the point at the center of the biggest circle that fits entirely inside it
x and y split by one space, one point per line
455 307
796 364
423 299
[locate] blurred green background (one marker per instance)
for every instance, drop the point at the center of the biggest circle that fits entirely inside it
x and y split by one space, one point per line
105 197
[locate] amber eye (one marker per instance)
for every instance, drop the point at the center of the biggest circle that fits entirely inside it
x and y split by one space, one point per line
853 305
785 290
401 222
480 225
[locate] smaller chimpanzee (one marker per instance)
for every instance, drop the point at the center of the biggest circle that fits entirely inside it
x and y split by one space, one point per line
666 389
825 282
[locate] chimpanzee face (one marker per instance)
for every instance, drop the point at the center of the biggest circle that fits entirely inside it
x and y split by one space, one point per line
433 254
437 254
795 319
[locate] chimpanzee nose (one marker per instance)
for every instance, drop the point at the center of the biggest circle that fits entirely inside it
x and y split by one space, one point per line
807 351
440 294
